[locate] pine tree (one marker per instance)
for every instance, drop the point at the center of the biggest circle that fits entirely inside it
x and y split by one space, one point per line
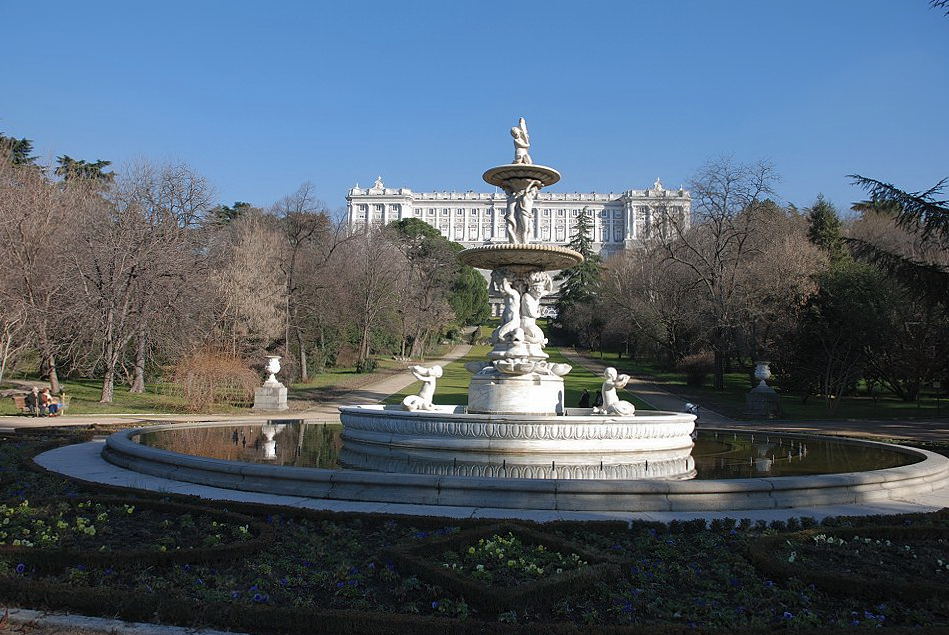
18 150
578 284
70 168
824 228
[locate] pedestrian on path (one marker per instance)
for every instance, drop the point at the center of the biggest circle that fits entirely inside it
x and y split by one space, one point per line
584 399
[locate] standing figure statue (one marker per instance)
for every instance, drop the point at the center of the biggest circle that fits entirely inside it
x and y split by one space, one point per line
428 377
522 143
520 210
612 405
539 284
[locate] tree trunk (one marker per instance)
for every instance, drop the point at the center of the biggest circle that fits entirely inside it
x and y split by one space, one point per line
6 354
108 386
719 369
54 386
304 374
138 382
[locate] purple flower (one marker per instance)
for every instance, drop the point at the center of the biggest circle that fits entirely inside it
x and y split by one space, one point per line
253 588
340 584
20 568
259 598
421 534
435 604
235 594
199 582
788 616
628 607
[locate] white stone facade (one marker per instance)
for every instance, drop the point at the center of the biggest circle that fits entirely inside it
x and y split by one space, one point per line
620 220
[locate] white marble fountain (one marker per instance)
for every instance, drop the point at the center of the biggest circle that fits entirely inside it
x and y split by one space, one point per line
516 445
516 423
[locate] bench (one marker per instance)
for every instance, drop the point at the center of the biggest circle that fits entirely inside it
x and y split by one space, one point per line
19 401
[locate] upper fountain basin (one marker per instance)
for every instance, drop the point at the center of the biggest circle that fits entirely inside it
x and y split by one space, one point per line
533 256
517 171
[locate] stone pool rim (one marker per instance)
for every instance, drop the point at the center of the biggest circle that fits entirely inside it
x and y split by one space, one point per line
897 483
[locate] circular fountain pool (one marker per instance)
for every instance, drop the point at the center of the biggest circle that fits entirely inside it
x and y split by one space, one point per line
731 469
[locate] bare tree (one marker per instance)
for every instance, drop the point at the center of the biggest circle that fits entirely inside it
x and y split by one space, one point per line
310 234
134 253
35 213
727 202
248 284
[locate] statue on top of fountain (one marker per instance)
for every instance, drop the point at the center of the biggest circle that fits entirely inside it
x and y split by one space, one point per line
522 143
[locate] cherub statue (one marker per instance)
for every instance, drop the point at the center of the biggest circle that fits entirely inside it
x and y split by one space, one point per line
428 377
511 317
539 284
522 143
611 403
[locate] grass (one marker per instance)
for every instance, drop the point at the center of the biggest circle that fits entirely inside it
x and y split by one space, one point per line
452 388
731 401
84 396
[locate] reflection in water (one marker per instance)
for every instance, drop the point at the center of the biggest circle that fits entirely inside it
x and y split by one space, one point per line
714 456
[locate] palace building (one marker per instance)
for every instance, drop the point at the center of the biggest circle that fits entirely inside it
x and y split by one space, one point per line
620 220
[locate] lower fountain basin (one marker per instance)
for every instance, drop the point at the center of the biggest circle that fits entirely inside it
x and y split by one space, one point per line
919 472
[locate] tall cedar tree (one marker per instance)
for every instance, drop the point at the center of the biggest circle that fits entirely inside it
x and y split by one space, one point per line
579 284
925 214
18 150
823 228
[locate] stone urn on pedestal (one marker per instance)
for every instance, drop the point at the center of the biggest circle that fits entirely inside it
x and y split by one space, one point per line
272 395
762 401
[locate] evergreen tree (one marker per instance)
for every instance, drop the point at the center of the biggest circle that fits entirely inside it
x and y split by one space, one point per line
824 228
924 214
222 214
18 150
578 284
70 168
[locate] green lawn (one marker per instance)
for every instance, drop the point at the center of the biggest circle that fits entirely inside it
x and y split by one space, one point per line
452 388
84 399
731 401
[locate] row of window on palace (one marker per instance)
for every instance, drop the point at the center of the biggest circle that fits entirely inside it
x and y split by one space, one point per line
614 231
395 210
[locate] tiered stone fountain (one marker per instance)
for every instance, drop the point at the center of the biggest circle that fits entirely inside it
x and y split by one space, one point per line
516 423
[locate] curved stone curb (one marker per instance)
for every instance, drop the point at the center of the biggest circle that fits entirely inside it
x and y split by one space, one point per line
931 473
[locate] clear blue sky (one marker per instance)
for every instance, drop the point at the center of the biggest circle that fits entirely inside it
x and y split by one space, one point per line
262 96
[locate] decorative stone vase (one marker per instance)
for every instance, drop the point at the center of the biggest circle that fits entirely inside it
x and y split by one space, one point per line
272 395
273 367
763 372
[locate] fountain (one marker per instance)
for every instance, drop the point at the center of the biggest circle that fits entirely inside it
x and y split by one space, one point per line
516 445
516 421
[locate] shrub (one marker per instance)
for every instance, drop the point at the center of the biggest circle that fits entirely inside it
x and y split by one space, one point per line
697 368
208 379
366 365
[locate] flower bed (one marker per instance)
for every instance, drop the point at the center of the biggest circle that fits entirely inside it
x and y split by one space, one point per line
504 566
506 560
873 562
306 570
51 533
